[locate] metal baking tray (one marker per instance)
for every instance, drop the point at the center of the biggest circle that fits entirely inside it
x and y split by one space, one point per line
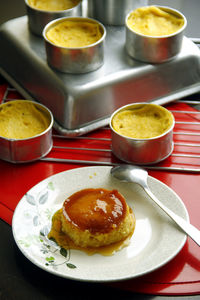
83 103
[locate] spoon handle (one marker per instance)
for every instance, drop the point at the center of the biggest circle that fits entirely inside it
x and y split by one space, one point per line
192 231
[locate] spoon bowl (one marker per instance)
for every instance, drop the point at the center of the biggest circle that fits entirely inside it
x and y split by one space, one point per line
131 173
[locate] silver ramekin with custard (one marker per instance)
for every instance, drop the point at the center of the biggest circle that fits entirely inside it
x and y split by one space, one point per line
75 44
142 133
41 12
25 131
154 34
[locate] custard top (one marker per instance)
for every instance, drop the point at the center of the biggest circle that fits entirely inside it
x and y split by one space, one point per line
142 121
20 119
154 21
74 34
53 5
97 210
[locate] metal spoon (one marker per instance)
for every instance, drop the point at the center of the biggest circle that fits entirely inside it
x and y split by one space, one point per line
130 173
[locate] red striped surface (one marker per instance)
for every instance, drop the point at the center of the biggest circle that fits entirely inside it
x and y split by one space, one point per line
181 276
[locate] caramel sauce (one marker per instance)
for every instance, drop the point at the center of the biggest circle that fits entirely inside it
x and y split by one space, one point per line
97 210
64 241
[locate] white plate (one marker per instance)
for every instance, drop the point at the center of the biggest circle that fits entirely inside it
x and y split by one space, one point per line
155 242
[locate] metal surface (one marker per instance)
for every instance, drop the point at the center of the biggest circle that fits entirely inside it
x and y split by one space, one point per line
28 149
37 19
82 103
75 60
155 49
145 150
112 12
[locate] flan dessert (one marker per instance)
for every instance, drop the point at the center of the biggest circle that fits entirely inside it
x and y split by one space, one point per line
21 119
53 5
74 33
154 21
93 219
143 121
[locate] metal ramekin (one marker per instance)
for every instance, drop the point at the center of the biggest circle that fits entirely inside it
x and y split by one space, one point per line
37 19
141 151
112 12
75 60
29 149
154 49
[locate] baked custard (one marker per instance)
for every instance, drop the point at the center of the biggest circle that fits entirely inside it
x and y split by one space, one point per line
154 21
142 121
93 220
53 5
74 34
21 119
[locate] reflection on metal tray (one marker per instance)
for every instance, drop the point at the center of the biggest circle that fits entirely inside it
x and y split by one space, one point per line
82 103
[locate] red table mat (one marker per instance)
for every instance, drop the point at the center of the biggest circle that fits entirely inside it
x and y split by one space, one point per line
181 276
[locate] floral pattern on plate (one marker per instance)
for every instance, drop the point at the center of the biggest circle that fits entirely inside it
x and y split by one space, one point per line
155 242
